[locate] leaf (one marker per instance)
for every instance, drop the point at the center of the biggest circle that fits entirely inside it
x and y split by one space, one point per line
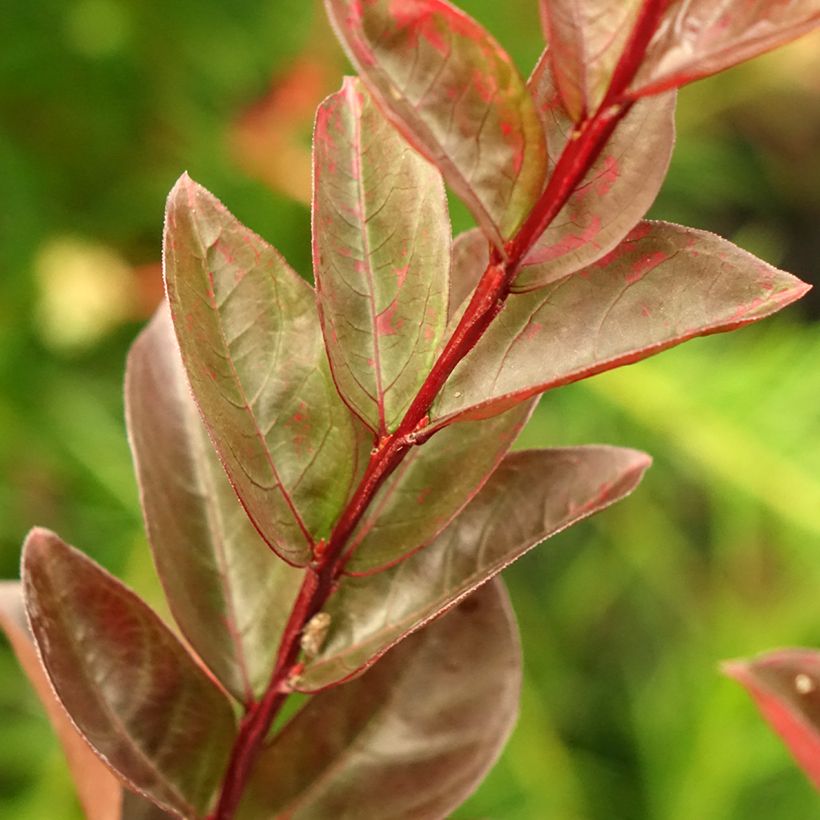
230 595
785 685
429 488
586 39
531 496
701 37
470 257
663 285
409 739
252 346
617 191
98 790
381 246
129 686
456 97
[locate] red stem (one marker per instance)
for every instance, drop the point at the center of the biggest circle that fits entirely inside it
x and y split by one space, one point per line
487 300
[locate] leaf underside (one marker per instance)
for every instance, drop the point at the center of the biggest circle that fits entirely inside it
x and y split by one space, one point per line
412 737
785 685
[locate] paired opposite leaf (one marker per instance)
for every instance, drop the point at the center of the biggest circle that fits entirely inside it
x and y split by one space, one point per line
430 487
129 686
786 687
531 496
409 739
456 96
614 195
663 285
586 39
230 595
381 244
253 350
697 38
99 792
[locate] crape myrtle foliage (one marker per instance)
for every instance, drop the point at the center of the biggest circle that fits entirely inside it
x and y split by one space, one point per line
325 470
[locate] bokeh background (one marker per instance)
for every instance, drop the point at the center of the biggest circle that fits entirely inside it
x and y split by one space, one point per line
103 103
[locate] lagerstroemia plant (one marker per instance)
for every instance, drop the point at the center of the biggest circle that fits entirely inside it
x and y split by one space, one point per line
325 470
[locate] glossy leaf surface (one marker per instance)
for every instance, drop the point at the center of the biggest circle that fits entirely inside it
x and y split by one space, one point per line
409 739
531 496
381 243
99 792
697 38
253 350
430 487
615 194
230 595
586 39
663 285
785 685
456 96
130 687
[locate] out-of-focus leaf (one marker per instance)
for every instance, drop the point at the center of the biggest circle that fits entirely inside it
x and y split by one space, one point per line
381 245
697 38
409 739
531 496
618 190
471 255
785 685
430 487
98 790
663 285
456 96
252 346
129 686
136 807
230 595
586 39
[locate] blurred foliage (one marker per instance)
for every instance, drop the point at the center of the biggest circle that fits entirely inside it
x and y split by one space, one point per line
104 102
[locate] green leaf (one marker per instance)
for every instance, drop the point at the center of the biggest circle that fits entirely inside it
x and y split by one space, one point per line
531 496
701 37
252 345
430 487
785 685
617 191
99 792
381 245
586 39
663 285
409 739
230 595
130 687
456 96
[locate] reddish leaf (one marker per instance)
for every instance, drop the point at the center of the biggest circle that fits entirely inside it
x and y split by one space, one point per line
430 487
530 497
586 40
409 739
786 687
617 191
98 790
662 285
230 595
697 38
470 257
252 347
129 686
455 95
381 240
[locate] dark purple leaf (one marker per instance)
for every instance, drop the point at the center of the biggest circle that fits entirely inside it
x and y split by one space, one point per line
409 739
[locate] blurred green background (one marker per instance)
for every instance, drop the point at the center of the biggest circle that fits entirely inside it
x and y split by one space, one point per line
103 103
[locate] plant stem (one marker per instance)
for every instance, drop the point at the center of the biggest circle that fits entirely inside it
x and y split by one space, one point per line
487 300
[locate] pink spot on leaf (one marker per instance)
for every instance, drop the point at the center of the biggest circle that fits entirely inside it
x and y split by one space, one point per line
640 267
